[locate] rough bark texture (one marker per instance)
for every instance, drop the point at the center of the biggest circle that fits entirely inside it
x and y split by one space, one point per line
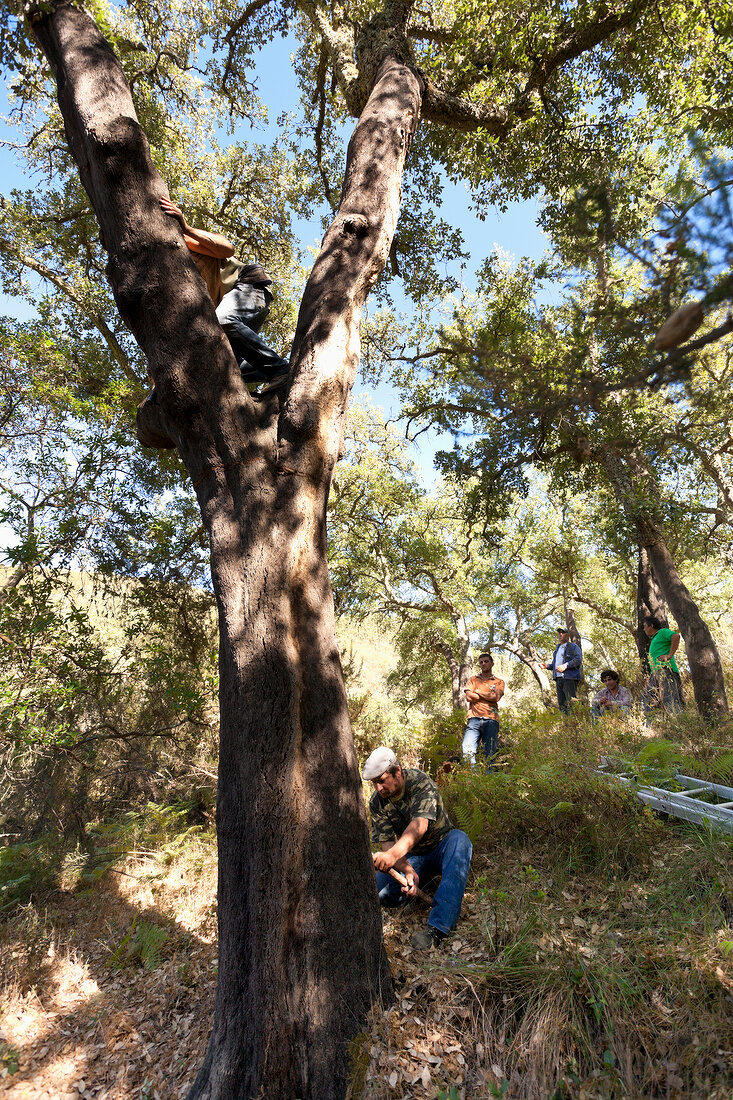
300 947
630 482
649 601
454 669
702 653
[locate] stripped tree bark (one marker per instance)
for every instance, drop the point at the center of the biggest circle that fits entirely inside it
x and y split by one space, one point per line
300 946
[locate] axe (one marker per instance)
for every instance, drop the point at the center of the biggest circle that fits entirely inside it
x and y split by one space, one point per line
399 877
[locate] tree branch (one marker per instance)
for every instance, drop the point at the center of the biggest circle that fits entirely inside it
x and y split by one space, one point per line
578 41
318 133
341 46
96 319
463 114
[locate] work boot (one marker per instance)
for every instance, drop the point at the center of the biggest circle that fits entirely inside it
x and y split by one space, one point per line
273 371
427 937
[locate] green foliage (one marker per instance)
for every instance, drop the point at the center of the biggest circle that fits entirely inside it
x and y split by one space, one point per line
468 817
26 870
140 946
31 870
9 1058
443 738
102 685
660 759
720 768
551 798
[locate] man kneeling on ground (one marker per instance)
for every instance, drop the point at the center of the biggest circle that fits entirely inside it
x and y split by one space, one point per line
408 817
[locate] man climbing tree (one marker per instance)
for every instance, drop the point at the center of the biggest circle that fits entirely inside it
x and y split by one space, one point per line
300 954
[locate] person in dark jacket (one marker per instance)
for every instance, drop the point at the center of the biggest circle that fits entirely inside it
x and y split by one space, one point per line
242 297
566 665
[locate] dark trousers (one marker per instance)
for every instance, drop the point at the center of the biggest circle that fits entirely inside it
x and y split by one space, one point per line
663 691
567 690
242 313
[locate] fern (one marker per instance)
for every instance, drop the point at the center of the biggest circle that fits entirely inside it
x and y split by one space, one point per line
142 945
470 819
721 767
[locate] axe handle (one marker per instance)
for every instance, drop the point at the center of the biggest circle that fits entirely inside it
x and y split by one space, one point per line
399 877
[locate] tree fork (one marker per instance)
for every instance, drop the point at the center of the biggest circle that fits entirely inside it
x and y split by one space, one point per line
301 960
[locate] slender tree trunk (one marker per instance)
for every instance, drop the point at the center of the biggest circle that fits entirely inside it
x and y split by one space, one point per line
300 948
529 656
465 664
649 601
454 670
571 624
629 479
459 666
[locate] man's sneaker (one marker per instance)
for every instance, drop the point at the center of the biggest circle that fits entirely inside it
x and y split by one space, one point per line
427 937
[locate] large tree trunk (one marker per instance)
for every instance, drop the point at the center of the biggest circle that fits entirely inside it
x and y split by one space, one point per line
706 670
630 480
649 601
300 946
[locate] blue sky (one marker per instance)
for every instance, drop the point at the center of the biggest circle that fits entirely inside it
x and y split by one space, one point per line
514 231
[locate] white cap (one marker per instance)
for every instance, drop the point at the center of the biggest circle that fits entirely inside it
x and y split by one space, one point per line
378 763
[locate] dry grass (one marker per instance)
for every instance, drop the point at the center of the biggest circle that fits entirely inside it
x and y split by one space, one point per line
592 961
565 986
74 1025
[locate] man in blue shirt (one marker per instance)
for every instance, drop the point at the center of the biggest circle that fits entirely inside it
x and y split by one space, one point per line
566 664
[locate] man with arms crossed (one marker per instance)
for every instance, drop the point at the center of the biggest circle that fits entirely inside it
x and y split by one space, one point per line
483 693
408 818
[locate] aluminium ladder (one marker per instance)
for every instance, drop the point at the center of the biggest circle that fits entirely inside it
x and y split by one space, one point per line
700 801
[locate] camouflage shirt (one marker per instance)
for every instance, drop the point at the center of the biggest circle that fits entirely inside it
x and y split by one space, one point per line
420 798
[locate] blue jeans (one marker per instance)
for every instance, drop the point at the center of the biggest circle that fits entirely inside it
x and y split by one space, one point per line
484 732
451 858
597 711
242 313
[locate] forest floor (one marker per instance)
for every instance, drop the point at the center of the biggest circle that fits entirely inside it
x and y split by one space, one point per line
563 980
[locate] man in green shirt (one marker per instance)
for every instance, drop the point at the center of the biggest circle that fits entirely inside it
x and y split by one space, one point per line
664 687
408 818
